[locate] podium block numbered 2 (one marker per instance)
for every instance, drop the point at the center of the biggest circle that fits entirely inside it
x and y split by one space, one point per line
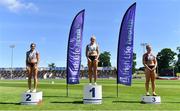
92 94
151 99
31 98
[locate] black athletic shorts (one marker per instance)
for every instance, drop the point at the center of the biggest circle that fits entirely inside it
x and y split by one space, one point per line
31 64
92 58
151 67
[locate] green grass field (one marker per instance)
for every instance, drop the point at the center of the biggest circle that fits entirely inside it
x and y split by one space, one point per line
54 96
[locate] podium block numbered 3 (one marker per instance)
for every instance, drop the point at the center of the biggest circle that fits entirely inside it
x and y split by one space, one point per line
92 94
31 98
151 99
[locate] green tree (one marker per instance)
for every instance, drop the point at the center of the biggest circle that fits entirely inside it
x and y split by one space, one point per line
51 66
165 59
177 65
104 59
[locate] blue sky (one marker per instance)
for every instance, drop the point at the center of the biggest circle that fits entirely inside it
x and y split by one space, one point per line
47 23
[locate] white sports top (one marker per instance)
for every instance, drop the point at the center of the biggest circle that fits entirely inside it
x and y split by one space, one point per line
32 55
92 48
149 57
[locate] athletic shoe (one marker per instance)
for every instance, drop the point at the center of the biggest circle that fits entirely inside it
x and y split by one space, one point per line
90 83
95 83
28 91
154 94
34 90
147 94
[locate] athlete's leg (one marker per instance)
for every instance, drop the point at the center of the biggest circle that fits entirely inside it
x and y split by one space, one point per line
95 65
35 70
147 75
90 70
29 74
153 78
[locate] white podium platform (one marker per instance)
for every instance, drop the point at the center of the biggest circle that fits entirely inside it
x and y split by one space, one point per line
92 94
31 98
151 99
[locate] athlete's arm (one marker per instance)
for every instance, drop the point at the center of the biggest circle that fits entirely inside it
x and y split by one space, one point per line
38 57
155 63
144 62
87 51
97 52
26 58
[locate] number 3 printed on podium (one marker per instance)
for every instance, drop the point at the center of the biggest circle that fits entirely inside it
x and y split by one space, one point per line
153 99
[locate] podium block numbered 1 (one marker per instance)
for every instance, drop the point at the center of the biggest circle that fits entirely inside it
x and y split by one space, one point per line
92 94
31 98
151 99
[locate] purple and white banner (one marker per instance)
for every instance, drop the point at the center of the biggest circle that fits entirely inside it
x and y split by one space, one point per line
74 49
125 47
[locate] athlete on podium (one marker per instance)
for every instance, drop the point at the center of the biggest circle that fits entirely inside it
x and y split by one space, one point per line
32 61
150 63
92 54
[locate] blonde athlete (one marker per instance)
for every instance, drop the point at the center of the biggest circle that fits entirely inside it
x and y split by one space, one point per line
32 61
92 54
150 63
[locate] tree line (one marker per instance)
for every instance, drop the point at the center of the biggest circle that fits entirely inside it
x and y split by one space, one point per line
167 60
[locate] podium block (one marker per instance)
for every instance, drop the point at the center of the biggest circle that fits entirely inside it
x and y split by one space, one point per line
92 94
151 99
31 98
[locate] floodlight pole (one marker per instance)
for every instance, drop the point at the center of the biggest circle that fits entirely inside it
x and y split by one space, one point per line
12 47
144 45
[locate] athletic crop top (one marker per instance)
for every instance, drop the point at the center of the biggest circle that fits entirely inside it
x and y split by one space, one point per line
32 55
149 57
92 48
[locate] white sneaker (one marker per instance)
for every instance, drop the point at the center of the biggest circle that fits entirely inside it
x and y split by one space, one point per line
147 94
90 83
34 90
95 83
28 91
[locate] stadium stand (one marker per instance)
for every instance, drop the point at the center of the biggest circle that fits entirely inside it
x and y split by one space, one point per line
56 73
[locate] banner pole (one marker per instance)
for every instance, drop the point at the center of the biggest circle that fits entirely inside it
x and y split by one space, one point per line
117 88
67 90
